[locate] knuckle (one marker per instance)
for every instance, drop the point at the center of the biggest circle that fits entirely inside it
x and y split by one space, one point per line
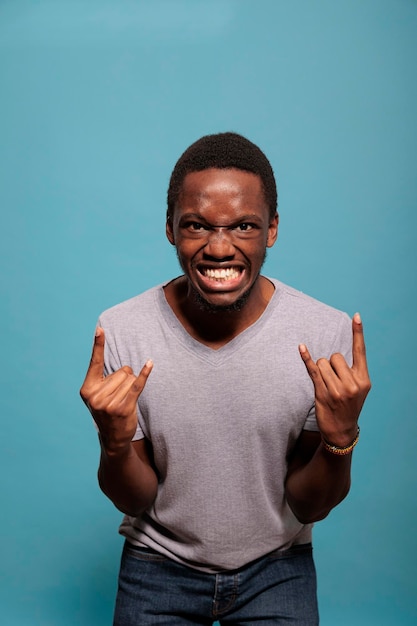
314 374
336 358
366 386
353 392
337 396
94 361
84 393
137 386
350 391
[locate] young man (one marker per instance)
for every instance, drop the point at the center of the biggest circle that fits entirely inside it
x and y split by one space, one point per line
237 433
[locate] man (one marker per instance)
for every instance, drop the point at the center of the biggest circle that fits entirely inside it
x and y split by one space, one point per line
237 433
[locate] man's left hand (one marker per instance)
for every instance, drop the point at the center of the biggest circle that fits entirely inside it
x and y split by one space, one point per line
340 390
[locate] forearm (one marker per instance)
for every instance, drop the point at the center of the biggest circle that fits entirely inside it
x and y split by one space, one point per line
129 482
315 488
319 478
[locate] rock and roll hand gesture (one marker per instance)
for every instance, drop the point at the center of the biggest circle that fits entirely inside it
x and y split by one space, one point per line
340 390
112 400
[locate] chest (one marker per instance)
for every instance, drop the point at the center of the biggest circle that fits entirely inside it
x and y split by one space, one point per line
260 395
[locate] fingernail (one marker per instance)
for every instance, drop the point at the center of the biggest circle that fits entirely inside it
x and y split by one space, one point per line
357 318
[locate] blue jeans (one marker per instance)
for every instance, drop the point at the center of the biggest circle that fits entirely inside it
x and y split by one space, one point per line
279 588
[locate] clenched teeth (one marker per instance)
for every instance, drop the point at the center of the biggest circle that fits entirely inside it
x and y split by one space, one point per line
223 274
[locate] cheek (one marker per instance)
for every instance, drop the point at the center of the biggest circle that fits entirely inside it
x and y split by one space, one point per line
257 251
186 250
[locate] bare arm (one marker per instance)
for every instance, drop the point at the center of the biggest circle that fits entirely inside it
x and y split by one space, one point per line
128 479
318 480
125 473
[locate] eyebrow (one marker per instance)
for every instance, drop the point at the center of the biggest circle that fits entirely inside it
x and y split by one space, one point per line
249 217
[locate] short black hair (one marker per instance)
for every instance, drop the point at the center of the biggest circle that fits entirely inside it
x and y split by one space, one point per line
223 151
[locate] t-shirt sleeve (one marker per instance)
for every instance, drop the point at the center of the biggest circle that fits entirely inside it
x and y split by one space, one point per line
343 345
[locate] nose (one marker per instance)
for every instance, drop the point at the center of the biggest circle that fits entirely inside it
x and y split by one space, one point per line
219 244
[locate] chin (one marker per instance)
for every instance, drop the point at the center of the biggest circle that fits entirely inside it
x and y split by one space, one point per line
210 307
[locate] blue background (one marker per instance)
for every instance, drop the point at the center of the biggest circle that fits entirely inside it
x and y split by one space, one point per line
98 100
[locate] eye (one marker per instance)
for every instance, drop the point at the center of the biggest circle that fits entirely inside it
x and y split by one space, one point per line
244 227
196 226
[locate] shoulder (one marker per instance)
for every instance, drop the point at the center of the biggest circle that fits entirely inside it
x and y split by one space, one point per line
299 303
324 328
132 311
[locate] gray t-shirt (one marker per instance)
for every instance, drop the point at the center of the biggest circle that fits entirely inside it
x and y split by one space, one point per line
222 423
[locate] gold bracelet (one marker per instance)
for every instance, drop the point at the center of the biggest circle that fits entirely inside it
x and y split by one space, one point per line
341 451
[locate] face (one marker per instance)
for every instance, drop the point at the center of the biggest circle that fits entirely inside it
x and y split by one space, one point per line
221 228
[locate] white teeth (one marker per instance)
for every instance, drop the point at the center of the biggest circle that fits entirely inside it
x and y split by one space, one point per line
223 274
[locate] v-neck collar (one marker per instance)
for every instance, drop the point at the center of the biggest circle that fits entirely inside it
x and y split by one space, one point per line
215 356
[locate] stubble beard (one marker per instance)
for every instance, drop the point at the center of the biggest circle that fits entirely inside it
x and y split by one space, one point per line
208 307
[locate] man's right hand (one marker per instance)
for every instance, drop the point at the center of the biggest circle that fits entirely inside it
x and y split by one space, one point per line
112 400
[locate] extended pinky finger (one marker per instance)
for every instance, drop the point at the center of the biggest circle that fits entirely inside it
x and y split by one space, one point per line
140 382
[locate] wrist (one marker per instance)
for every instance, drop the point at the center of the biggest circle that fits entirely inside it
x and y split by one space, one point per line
341 450
340 437
114 449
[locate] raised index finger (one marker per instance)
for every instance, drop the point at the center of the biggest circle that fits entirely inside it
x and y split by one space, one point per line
96 367
358 346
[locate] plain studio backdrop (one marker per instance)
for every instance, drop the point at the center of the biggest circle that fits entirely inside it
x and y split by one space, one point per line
98 99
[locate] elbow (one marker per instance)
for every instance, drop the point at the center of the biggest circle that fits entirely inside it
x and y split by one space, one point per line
315 509
304 518
308 513
132 508
130 511
129 504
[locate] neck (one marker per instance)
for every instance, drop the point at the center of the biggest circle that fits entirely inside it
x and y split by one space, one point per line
216 326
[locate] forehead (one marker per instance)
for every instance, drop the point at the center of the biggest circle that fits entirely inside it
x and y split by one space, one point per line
222 186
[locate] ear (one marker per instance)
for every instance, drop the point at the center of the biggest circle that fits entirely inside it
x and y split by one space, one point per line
272 231
169 231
